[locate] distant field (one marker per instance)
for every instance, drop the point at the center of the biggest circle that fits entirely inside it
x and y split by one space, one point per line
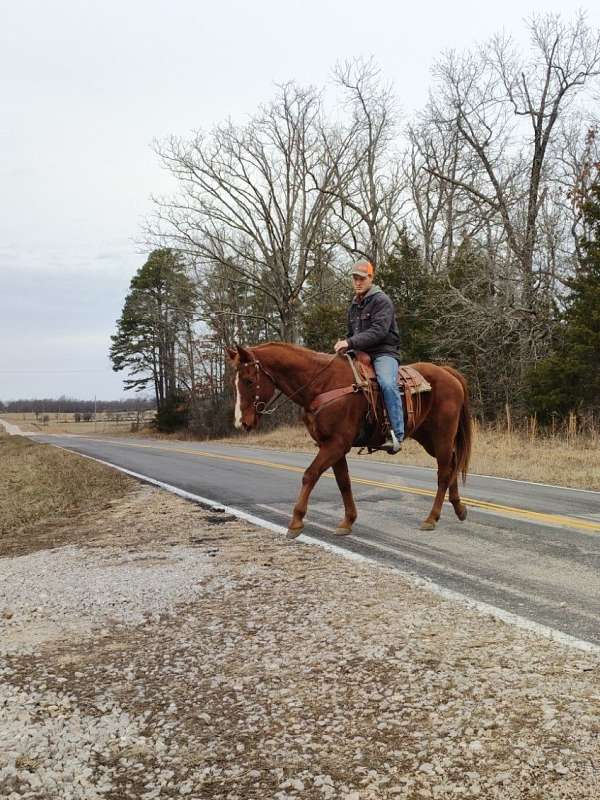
120 422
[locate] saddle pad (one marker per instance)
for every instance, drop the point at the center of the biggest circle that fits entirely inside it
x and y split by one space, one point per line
412 380
408 377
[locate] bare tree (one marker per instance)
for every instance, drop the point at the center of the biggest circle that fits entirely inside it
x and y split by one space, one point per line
254 201
504 114
488 188
444 212
369 188
485 96
578 153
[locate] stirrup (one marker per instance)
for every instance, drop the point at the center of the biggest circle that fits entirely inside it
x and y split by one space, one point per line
391 444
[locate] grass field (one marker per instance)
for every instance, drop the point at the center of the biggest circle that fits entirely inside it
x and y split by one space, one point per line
118 423
41 486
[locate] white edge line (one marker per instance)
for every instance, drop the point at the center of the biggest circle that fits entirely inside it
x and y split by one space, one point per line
423 583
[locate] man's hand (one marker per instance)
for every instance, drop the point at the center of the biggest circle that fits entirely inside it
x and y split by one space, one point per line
340 346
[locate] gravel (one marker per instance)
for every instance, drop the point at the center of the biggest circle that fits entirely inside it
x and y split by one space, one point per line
175 652
72 590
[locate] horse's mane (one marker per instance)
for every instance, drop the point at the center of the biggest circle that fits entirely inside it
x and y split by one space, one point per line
298 348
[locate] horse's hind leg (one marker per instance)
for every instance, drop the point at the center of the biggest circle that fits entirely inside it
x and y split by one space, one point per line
459 507
342 477
445 468
328 455
444 457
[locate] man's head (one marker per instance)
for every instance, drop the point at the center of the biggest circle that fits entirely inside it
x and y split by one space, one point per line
362 277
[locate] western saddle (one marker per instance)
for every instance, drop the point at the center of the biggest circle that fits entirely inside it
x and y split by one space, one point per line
411 384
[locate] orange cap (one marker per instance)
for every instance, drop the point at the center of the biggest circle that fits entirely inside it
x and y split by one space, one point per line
363 268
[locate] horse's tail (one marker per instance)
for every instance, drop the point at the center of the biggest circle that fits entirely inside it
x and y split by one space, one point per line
464 434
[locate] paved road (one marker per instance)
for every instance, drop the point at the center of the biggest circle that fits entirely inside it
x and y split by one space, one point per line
530 549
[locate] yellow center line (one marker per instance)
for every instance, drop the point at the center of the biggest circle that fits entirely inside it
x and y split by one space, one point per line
510 511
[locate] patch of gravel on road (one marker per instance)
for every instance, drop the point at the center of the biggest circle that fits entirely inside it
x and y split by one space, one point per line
179 652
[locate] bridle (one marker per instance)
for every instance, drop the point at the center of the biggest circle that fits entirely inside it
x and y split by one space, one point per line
265 410
260 406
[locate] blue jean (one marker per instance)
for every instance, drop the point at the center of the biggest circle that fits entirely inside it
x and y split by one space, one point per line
386 369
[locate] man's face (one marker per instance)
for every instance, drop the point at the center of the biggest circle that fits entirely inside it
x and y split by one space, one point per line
362 284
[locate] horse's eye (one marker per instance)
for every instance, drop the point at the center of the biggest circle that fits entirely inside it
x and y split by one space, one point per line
246 381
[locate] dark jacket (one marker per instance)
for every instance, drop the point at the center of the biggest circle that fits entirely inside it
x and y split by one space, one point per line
372 325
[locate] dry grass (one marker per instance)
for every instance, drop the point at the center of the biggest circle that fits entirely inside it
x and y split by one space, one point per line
567 460
41 486
562 459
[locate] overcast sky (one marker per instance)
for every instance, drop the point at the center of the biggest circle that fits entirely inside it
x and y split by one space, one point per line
86 85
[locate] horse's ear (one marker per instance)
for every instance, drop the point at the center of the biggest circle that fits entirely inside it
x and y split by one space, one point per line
232 353
245 355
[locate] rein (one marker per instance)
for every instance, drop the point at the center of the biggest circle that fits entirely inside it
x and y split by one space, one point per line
265 410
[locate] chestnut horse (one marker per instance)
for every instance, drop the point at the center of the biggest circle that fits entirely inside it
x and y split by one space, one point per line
443 425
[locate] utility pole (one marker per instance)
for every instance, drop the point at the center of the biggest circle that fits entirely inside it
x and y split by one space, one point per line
94 413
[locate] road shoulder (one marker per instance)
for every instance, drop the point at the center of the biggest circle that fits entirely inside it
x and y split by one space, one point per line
170 650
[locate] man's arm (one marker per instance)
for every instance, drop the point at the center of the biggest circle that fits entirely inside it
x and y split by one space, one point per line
342 344
382 315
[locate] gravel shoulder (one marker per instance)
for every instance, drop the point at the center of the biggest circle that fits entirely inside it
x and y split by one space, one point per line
164 650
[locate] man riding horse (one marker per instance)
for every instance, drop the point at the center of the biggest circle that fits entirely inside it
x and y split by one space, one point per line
372 328
325 387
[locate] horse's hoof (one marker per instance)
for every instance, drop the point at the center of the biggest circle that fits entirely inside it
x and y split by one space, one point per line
293 533
342 531
462 514
427 526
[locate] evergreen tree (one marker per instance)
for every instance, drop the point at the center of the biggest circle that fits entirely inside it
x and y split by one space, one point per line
157 312
403 277
569 379
325 307
324 323
472 329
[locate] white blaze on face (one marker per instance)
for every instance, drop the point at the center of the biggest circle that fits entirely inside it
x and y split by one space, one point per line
238 404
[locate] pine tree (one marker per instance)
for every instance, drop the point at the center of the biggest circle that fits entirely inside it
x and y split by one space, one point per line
157 311
403 277
324 309
569 379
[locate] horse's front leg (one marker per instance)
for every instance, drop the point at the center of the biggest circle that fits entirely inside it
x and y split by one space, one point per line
342 477
329 454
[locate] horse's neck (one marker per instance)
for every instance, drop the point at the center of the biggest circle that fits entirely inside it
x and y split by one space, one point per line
296 372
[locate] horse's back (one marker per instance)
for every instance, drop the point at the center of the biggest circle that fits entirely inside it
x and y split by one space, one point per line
443 378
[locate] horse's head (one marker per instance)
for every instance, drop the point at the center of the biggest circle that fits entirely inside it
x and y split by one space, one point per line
253 387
